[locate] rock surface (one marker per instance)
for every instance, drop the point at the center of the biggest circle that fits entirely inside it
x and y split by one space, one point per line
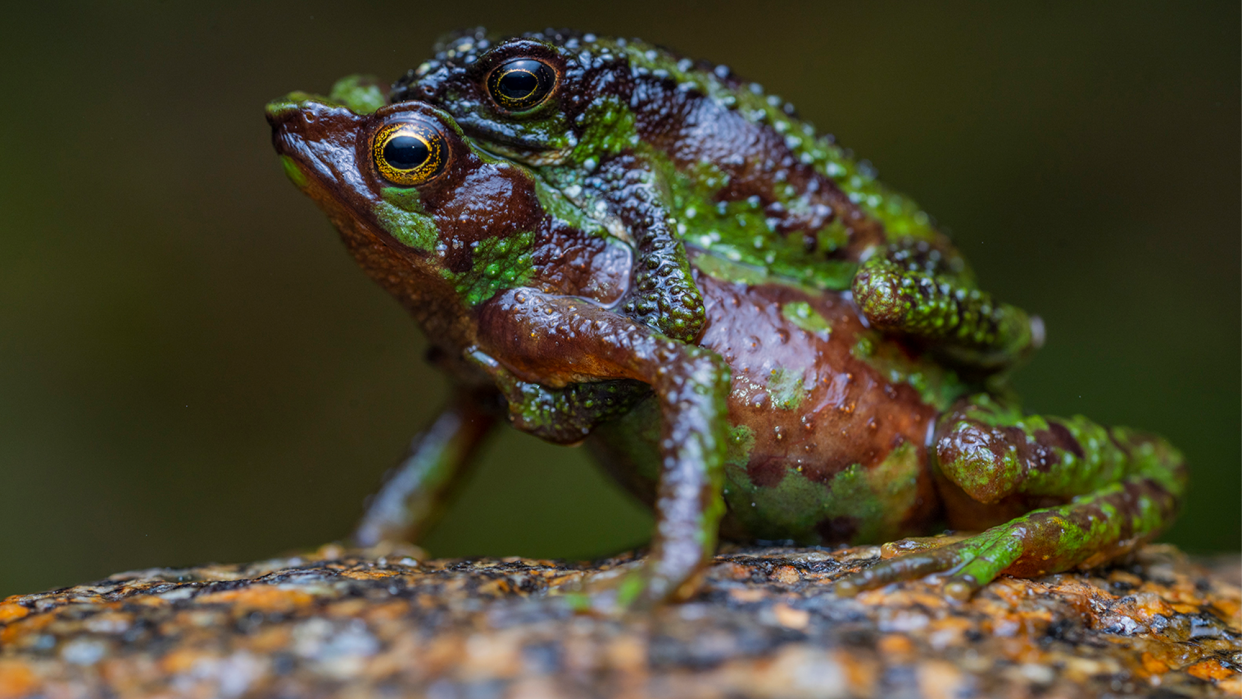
361 624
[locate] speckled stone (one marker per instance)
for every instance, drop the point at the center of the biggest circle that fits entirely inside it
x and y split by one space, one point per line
362 624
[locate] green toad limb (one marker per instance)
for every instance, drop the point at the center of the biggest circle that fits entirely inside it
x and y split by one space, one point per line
946 312
413 496
1123 488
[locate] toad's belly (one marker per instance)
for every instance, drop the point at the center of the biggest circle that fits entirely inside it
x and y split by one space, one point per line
828 442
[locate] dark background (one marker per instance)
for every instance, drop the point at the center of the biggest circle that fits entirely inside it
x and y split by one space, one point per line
192 368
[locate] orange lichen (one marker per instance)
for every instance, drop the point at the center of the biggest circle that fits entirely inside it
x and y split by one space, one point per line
1210 670
24 627
787 575
260 598
11 611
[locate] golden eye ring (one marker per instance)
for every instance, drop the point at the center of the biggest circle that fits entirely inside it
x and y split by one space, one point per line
409 153
521 84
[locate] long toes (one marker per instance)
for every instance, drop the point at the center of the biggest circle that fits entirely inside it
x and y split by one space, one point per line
906 567
971 564
988 560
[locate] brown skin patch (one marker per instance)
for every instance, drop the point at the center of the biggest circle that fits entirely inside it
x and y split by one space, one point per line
766 474
691 128
570 263
1058 435
849 413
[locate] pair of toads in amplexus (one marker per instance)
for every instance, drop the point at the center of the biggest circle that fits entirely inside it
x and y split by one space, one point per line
607 242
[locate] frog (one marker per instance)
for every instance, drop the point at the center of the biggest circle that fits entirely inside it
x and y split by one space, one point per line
675 153
787 417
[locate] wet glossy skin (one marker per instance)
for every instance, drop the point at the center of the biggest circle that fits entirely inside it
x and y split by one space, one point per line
674 153
824 449
779 414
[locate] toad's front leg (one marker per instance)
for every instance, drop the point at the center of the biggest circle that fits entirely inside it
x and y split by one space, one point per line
946 313
663 295
414 494
558 341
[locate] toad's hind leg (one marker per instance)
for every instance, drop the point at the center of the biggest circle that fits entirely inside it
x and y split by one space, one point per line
1123 488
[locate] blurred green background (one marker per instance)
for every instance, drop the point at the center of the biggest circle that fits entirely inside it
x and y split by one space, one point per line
192 368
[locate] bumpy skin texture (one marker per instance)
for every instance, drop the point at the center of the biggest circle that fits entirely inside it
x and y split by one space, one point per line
663 148
787 417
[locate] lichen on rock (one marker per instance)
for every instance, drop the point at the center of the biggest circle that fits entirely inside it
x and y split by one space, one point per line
767 624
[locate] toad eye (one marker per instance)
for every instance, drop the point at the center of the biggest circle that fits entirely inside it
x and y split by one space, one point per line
521 83
408 153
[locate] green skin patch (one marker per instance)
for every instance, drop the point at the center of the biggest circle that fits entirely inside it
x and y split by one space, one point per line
787 389
293 172
870 502
402 215
499 264
610 130
733 272
802 315
739 232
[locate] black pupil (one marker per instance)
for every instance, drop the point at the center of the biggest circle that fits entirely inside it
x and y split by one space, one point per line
518 82
406 152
